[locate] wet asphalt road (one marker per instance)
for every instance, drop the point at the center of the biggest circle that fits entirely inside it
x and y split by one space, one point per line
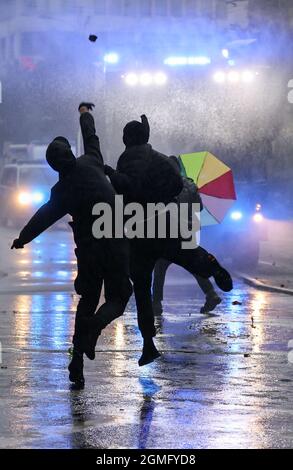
224 381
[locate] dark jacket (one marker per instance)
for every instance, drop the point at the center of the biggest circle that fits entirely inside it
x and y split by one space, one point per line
189 193
76 192
131 170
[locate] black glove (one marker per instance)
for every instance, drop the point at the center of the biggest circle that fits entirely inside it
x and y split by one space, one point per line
17 244
90 106
108 170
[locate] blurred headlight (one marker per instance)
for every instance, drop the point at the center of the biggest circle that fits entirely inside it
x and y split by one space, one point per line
258 207
233 77
258 217
24 199
237 215
131 79
38 197
220 77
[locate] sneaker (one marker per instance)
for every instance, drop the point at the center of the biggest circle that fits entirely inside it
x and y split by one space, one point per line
157 307
212 300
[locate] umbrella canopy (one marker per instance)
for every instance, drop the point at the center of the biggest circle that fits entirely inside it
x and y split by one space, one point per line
215 182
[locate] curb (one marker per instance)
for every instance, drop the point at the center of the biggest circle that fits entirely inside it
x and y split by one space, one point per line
261 286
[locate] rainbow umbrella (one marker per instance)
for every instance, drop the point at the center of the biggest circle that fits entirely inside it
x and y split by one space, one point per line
215 182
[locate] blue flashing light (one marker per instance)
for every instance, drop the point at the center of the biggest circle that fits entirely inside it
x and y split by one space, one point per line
236 215
38 197
225 53
111 58
192 60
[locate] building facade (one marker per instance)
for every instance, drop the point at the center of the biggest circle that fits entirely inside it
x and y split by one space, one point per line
23 22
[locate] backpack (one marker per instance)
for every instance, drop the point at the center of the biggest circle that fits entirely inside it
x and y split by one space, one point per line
160 182
189 193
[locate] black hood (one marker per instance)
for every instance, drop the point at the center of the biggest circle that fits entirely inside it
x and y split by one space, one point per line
136 133
59 155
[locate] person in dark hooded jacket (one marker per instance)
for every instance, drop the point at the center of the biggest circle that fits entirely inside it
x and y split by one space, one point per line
82 183
143 174
189 195
128 179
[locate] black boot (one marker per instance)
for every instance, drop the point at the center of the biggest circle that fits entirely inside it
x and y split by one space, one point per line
76 369
88 339
212 300
90 342
221 276
149 352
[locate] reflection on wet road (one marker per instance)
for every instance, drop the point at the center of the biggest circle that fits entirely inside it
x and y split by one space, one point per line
46 264
224 380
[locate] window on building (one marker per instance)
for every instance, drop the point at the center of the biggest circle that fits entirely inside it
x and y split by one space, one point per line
207 8
3 48
191 7
221 11
9 177
160 8
45 7
100 7
115 7
145 7
130 7
176 7
7 9
71 7
28 6
30 3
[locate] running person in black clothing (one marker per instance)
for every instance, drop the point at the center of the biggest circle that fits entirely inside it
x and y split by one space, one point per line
128 179
82 183
189 195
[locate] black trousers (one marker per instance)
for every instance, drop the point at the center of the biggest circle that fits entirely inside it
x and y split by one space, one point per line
159 276
144 254
97 262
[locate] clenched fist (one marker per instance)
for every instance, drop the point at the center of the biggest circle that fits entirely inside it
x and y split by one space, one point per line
17 244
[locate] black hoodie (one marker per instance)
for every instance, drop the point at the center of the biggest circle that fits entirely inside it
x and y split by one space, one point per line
143 174
82 183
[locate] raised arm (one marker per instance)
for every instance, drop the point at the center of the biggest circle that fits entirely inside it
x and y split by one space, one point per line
47 215
90 139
